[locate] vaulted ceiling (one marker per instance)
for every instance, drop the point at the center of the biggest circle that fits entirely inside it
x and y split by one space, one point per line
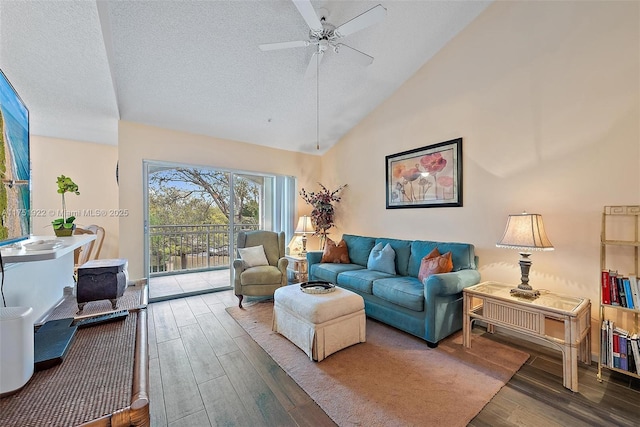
195 66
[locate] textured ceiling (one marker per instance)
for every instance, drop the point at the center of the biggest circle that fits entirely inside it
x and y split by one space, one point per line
195 66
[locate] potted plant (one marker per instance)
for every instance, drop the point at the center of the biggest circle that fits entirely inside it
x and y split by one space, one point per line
64 226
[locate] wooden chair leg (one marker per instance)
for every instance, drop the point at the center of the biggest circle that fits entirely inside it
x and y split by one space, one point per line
240 300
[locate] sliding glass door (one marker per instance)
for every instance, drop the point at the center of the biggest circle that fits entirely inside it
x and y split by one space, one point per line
193 216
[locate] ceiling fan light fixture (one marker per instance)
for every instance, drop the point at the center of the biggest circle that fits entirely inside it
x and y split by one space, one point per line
325 35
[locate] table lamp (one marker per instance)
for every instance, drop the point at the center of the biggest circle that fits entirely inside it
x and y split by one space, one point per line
304 227
525 232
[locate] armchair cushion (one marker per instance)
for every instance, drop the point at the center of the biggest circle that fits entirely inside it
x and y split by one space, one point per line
253 256
261 275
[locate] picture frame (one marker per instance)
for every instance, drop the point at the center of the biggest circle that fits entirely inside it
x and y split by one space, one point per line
426 177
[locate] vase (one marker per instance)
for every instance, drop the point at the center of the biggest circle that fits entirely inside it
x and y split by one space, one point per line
323 241
64 232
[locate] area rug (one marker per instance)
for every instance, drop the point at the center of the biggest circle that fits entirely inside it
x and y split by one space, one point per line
132 298
94 379
393 379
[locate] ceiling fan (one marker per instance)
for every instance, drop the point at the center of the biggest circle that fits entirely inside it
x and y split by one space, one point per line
324 35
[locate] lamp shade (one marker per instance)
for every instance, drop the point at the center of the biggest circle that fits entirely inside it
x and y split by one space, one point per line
304 225
525 231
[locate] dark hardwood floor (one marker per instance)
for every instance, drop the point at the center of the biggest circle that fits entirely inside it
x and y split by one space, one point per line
206 371
535 396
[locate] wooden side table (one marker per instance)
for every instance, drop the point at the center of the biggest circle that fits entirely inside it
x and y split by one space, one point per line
297 267
492 303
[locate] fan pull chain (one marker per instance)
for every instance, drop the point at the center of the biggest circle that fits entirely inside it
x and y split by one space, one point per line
318 100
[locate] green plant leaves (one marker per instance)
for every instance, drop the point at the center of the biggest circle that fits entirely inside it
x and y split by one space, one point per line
66 185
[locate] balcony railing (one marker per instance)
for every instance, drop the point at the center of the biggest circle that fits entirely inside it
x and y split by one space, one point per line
187 248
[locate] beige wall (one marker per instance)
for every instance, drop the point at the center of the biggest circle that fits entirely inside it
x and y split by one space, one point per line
546 98
139 142
92 167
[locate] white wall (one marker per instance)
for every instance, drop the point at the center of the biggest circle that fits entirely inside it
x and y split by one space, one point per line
139 142
546 96
92 167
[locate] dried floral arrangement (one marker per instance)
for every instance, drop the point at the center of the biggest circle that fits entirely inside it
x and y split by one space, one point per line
323 213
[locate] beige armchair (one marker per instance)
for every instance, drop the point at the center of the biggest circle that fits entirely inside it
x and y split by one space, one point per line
261 280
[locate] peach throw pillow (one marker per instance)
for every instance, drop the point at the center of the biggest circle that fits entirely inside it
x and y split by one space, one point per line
434 263
336 254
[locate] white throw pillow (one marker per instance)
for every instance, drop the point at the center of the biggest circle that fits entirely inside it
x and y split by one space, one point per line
253 256
382 259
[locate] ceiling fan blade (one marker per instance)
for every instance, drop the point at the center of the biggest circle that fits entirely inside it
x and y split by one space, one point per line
312 68
355 54
360 22
309 14
283 45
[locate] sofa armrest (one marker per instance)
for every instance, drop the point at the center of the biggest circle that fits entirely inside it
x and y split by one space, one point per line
314 257
446 284
443 302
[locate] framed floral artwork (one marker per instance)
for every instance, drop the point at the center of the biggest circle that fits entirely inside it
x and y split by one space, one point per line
427 177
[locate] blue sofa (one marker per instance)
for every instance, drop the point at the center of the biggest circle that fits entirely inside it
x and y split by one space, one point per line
431 310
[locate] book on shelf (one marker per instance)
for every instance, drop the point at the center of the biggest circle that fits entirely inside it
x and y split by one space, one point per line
621 292
624 365
604 343
630 356
610 342
615 349
635 348
635 290
606 287
613 284
627 291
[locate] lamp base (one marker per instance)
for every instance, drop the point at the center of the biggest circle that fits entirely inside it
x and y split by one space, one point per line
525 293
304 245
524 289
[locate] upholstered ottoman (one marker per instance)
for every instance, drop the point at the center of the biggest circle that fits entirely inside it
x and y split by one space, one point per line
100 279
320 324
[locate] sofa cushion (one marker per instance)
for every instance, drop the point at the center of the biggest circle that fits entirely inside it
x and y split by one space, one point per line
336 253
405 291
462 255
359 248
382 258
402 249
435 264
360 280
329 272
